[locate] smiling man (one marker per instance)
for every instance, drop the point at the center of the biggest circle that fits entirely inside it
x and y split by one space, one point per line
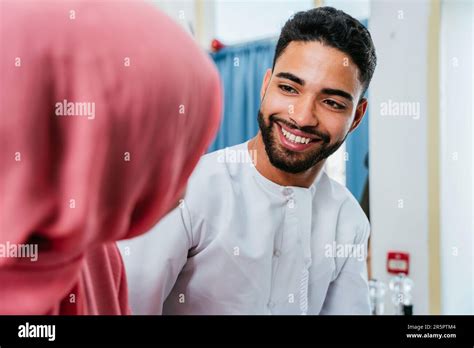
261 238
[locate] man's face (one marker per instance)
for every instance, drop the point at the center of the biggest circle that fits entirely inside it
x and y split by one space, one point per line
309 105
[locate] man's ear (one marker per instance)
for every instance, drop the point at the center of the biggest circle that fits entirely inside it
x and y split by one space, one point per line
265 82
359 114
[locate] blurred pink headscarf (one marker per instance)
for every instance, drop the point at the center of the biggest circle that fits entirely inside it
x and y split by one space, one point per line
73 185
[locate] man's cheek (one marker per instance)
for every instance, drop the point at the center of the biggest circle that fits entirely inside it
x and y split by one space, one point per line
334 127
279 105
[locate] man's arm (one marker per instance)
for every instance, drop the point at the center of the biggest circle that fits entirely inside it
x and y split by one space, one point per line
349 292
153 261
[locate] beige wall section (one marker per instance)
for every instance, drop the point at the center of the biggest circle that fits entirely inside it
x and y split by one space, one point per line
433 136
398 143
205 22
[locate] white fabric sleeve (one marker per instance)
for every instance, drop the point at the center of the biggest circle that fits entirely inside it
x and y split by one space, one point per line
349 292
154 260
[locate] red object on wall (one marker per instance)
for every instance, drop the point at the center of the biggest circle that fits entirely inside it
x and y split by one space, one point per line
398 262
216 45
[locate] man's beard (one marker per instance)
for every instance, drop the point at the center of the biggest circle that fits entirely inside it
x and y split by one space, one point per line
292 161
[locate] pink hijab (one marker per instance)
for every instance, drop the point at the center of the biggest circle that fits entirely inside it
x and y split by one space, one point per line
75 184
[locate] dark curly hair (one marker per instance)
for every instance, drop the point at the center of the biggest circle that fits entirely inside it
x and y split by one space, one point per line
334 28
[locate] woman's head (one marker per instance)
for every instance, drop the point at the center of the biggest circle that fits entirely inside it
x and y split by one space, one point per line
107 109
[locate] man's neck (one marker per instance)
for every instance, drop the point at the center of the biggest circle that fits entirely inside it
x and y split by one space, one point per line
266 168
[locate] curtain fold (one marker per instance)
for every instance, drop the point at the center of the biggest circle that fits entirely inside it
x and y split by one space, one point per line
242 68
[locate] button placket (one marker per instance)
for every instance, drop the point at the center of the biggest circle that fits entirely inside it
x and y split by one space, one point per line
291 203
290 197
304 231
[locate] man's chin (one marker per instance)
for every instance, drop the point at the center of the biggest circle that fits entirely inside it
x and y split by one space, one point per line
288 167
293 162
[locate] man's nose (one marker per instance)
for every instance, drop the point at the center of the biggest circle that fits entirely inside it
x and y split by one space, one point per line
304 112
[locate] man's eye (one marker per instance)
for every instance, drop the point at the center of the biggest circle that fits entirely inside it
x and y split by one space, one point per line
335 105
287 89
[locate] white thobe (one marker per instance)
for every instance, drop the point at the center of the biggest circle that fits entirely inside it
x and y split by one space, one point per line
241 244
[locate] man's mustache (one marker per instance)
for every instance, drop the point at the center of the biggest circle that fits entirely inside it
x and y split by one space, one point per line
310 130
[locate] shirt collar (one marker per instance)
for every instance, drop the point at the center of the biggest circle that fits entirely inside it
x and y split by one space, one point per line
279 189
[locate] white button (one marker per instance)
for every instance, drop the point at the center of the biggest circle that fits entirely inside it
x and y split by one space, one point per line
291 204
271 304
276 253
287 191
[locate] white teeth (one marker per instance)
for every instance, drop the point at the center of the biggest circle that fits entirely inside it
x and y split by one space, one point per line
295 138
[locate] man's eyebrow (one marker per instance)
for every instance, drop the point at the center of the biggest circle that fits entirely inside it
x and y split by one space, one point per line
338 92
291 77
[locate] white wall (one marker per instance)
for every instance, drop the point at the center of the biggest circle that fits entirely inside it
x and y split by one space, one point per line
398 144
359 9
182 11
243 20
237 21
457 97
196 17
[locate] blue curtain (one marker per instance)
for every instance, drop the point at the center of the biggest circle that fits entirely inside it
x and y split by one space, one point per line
241 69
357 147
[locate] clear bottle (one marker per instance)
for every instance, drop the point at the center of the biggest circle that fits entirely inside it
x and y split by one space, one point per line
377 291
401 286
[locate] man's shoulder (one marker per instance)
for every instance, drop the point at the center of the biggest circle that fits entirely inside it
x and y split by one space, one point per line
215 174
220 165
350 213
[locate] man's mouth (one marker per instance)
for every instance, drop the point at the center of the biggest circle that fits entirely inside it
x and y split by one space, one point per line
294 139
